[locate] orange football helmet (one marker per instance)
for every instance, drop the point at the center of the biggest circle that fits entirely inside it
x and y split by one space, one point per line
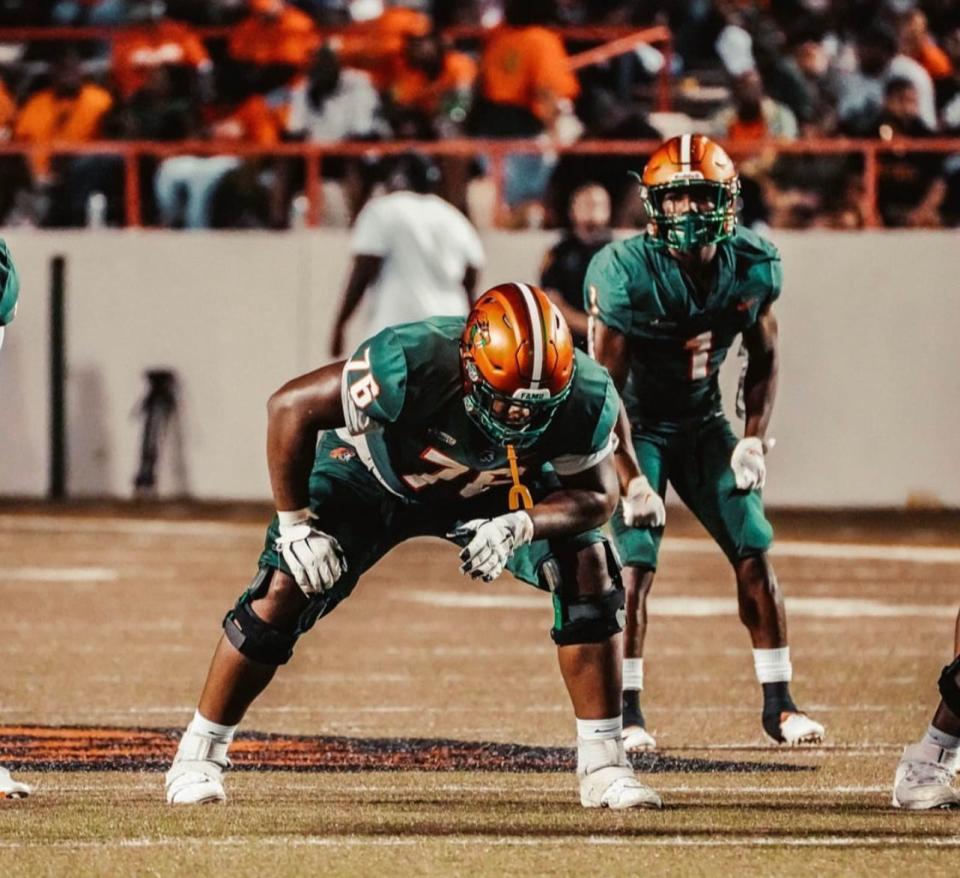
517 361
695 166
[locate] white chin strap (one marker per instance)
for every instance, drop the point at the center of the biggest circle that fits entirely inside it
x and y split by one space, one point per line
1 336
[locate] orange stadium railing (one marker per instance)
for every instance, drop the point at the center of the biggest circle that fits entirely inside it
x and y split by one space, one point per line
496 151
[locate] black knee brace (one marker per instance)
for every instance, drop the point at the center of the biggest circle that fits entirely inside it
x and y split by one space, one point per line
259 641
591 618
949 685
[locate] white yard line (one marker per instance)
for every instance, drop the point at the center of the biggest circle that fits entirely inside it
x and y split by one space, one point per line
58 574
737 841
687 606
561 789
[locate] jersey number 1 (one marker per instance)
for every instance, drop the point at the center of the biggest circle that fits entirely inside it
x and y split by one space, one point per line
699 348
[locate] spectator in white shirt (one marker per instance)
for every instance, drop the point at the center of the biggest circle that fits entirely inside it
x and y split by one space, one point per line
416 253
861 92
335 104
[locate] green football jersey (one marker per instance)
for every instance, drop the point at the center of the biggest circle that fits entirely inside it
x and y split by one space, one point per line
677 345
9 285
403 403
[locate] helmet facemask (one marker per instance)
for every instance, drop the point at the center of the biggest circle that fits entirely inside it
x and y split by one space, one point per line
694 228
519 419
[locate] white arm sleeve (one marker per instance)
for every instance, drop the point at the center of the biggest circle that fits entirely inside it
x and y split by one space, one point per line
571 464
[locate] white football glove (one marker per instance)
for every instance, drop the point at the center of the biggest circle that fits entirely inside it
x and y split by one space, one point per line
315 559
747 463
492 542
642 506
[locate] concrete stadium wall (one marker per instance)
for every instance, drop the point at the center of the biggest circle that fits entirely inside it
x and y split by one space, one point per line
868 411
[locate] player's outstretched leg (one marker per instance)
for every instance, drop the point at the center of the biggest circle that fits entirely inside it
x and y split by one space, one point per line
637 582
926 771
12 789
762 611
589 614
258 637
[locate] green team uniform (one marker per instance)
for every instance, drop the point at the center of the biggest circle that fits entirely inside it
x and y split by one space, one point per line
673 396
9 285
410 462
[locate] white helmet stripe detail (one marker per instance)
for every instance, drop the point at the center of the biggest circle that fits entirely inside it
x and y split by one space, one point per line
536 324
686 144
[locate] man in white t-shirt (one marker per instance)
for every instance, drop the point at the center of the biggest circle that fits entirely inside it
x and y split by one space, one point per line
879 62
416 253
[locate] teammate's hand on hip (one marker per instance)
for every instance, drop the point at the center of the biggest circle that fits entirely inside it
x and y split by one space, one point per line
315 559
492 542
642 506
747 463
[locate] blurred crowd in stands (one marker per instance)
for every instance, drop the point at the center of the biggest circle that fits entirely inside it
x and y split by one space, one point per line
334 71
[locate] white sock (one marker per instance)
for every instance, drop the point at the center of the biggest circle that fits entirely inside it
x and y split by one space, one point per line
202 726
941 739
773 665
599 729
632 674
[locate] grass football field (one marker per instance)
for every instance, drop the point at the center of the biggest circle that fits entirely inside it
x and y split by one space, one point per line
423 728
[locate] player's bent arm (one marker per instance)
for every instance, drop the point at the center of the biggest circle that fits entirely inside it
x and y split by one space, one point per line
296 413
584 501
611 349
760 383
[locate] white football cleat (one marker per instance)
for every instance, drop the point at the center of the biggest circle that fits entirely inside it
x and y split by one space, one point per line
798 729
923 778
636 739
607 780
12 789
196 776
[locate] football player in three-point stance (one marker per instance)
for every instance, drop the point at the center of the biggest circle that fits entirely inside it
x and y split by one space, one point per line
665 307
428 430
927 768
9 294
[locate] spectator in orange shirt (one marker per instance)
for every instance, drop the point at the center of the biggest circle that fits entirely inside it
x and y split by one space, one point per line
432 88
526 83
378 45
260 120
69 111
753 115
155 41
275 43
917 42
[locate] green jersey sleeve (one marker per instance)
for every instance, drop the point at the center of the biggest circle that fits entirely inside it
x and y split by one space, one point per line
373 386
759 265
590 418
776 279
9 285
606 290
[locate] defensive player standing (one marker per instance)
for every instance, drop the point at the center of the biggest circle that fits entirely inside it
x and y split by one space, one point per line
426 431
665 307
9 293
927 769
